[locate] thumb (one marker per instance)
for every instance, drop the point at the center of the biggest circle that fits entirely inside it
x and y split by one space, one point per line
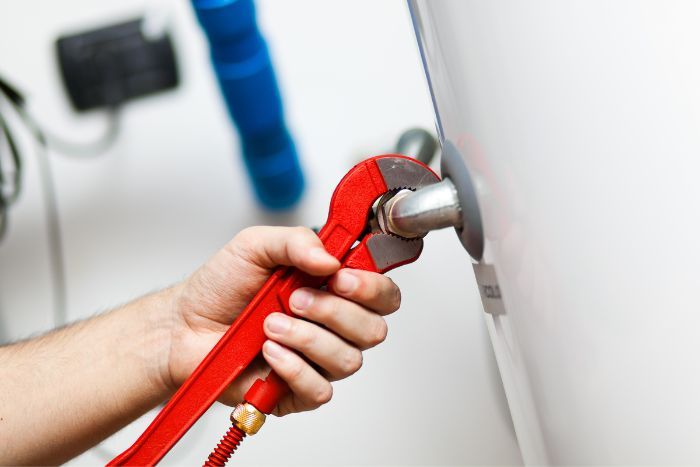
268 247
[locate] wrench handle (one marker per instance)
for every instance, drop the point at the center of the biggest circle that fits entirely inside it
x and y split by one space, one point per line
235 350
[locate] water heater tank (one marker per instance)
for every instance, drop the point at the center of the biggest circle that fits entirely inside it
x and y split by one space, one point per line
579 124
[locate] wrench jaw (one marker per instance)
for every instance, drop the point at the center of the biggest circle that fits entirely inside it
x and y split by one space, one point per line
402 176
379 252
351 205
401 172
389 252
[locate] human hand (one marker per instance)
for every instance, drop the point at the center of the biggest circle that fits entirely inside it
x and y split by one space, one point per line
332 328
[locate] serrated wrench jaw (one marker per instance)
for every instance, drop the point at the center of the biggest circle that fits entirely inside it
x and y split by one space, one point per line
400 172
389 252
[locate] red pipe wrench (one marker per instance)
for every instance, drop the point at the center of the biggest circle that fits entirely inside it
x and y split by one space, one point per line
349 222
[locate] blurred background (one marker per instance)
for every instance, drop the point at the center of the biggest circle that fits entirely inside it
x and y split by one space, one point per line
172 189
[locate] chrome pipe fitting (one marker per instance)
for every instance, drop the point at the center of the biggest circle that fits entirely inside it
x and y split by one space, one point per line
412 214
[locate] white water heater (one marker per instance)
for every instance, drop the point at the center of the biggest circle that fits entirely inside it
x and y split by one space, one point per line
579 124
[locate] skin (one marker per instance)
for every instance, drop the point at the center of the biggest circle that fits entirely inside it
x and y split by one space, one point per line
65 391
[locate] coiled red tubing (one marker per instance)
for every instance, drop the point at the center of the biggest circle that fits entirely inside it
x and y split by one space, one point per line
223 451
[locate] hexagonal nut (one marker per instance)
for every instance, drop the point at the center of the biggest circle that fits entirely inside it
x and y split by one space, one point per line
246 417
383 210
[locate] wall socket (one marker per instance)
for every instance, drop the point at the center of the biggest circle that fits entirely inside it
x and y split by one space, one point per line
105 67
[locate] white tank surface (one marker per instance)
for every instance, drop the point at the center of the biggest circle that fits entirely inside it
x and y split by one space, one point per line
579 122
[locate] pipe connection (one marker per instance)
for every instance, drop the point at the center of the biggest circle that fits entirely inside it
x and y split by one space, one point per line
412 214
246 417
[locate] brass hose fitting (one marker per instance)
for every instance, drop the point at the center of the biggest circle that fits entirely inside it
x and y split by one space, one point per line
246 417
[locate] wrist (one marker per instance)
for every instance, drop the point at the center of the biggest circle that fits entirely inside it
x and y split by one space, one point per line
160 323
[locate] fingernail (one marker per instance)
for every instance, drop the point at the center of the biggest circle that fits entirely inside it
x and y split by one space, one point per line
346 282
273 349
319 254
278 323
301 299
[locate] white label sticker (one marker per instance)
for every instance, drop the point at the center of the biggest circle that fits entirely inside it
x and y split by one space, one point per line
489 289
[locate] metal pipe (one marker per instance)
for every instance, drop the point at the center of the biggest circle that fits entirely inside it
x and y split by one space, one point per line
413 214
418 143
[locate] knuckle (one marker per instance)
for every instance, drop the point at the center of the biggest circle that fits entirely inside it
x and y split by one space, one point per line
323 394
299 241
301 234
247 243
351 362
306 337
295 371
247 235
329 308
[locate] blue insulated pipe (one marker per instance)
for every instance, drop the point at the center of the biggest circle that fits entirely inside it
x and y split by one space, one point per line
247 79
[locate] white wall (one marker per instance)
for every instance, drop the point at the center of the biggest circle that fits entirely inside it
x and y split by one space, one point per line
172 191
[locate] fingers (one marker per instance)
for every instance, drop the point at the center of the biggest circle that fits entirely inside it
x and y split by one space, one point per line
288 246
353 322
309 387
370 289
338 358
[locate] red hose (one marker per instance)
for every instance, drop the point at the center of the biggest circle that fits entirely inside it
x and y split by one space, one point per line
264 395
221 453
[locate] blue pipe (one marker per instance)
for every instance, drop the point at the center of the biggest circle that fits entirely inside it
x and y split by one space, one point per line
244 70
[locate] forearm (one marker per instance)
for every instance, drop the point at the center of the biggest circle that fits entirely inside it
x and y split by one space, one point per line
65 391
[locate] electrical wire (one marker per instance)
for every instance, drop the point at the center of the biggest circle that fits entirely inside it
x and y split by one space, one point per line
8 197
44 142
53 226
56 258
90 148
17 162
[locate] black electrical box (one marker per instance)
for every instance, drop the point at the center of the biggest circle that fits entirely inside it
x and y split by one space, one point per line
105 67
